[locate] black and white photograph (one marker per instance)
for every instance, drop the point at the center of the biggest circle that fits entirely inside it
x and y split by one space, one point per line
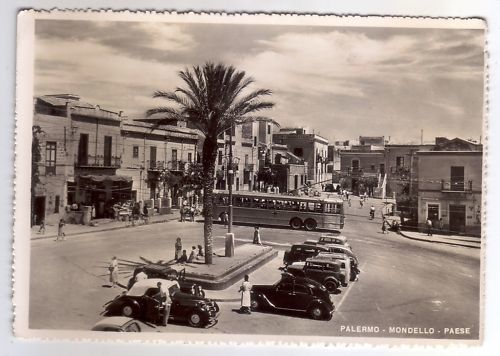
258 177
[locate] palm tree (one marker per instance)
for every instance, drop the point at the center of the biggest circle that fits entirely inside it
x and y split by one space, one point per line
213 101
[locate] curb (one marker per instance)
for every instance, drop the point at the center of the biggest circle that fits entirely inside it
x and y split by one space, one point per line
438 242
44 237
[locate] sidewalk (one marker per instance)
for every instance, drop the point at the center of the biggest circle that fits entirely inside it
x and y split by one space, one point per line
101 225
455 240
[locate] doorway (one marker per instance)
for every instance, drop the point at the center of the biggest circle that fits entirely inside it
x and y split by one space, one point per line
457 218
39 210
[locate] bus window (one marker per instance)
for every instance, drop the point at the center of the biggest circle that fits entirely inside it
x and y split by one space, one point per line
319 208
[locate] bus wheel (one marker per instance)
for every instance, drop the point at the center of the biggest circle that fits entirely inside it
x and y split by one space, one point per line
310 224
295 223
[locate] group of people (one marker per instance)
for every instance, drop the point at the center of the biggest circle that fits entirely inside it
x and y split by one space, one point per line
181 255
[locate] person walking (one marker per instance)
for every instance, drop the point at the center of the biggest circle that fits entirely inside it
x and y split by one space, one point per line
145 214
225 218
361 202
245 289
61 236
113 272
178 248
256 236
429 227
41 230
384 225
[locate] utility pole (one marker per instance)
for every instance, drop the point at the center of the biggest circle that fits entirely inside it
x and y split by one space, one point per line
230 175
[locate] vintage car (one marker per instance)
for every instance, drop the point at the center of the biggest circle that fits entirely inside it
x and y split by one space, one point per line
327 272
155 270
332 239
121 324
347 263
301 252
138 303
294 294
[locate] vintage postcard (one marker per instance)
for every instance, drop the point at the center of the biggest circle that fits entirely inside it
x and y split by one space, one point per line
227 178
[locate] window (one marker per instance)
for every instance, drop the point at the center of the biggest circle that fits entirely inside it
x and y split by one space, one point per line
382 168
190 157
268 129
56 205
355 165
108 144
135 152
152 157
50 157
400 161
285 287
246 159
255 140
83 150
457 178
219 158
174 156
373 168
300 289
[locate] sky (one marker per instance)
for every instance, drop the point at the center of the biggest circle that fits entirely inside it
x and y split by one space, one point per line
340 82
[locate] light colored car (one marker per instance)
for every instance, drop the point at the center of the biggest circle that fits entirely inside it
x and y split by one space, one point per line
329 239
121 324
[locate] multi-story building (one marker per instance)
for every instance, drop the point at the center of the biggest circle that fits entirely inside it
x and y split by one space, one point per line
82 150
310 147
365 161
450 185
149 150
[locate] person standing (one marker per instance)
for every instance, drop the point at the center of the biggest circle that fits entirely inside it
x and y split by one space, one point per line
163 304
441 225
256 236
245 289
429 227
113 272
42 227
178 248
145 214
60 231
92 212
225 218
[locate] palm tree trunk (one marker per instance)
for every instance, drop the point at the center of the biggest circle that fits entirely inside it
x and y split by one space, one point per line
209 156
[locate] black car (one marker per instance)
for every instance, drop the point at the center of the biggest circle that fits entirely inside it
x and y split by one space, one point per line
154 270
294 294
138 303
328 273
302 252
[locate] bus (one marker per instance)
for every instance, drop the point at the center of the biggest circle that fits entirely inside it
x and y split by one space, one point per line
256 208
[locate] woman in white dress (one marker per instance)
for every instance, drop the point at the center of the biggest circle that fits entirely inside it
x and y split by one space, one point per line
245 295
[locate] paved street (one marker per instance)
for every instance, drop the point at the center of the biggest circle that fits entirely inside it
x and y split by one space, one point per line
404 283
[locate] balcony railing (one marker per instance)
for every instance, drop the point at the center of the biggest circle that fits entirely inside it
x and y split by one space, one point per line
456 186
98 161
170 165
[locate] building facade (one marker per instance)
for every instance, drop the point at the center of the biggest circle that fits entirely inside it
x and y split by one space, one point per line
150 150
310 147
82 147
450 186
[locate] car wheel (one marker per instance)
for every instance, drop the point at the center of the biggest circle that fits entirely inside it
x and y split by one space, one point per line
255 304
195 319
295 223
310 224
317 312
331 286
129 310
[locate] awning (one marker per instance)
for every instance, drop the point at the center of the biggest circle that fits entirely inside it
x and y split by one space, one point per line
106 178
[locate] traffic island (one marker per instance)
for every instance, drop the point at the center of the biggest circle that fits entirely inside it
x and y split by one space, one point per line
225 271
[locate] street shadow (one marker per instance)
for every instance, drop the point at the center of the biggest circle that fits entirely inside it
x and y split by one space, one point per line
110 286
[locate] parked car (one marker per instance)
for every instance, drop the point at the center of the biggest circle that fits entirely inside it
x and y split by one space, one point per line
347 263
154 270
137 303
301 252
294 293
325 239
121 324
326 272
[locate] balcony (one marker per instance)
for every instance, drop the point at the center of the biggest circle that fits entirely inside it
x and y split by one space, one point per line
98 161
456 186
170 165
